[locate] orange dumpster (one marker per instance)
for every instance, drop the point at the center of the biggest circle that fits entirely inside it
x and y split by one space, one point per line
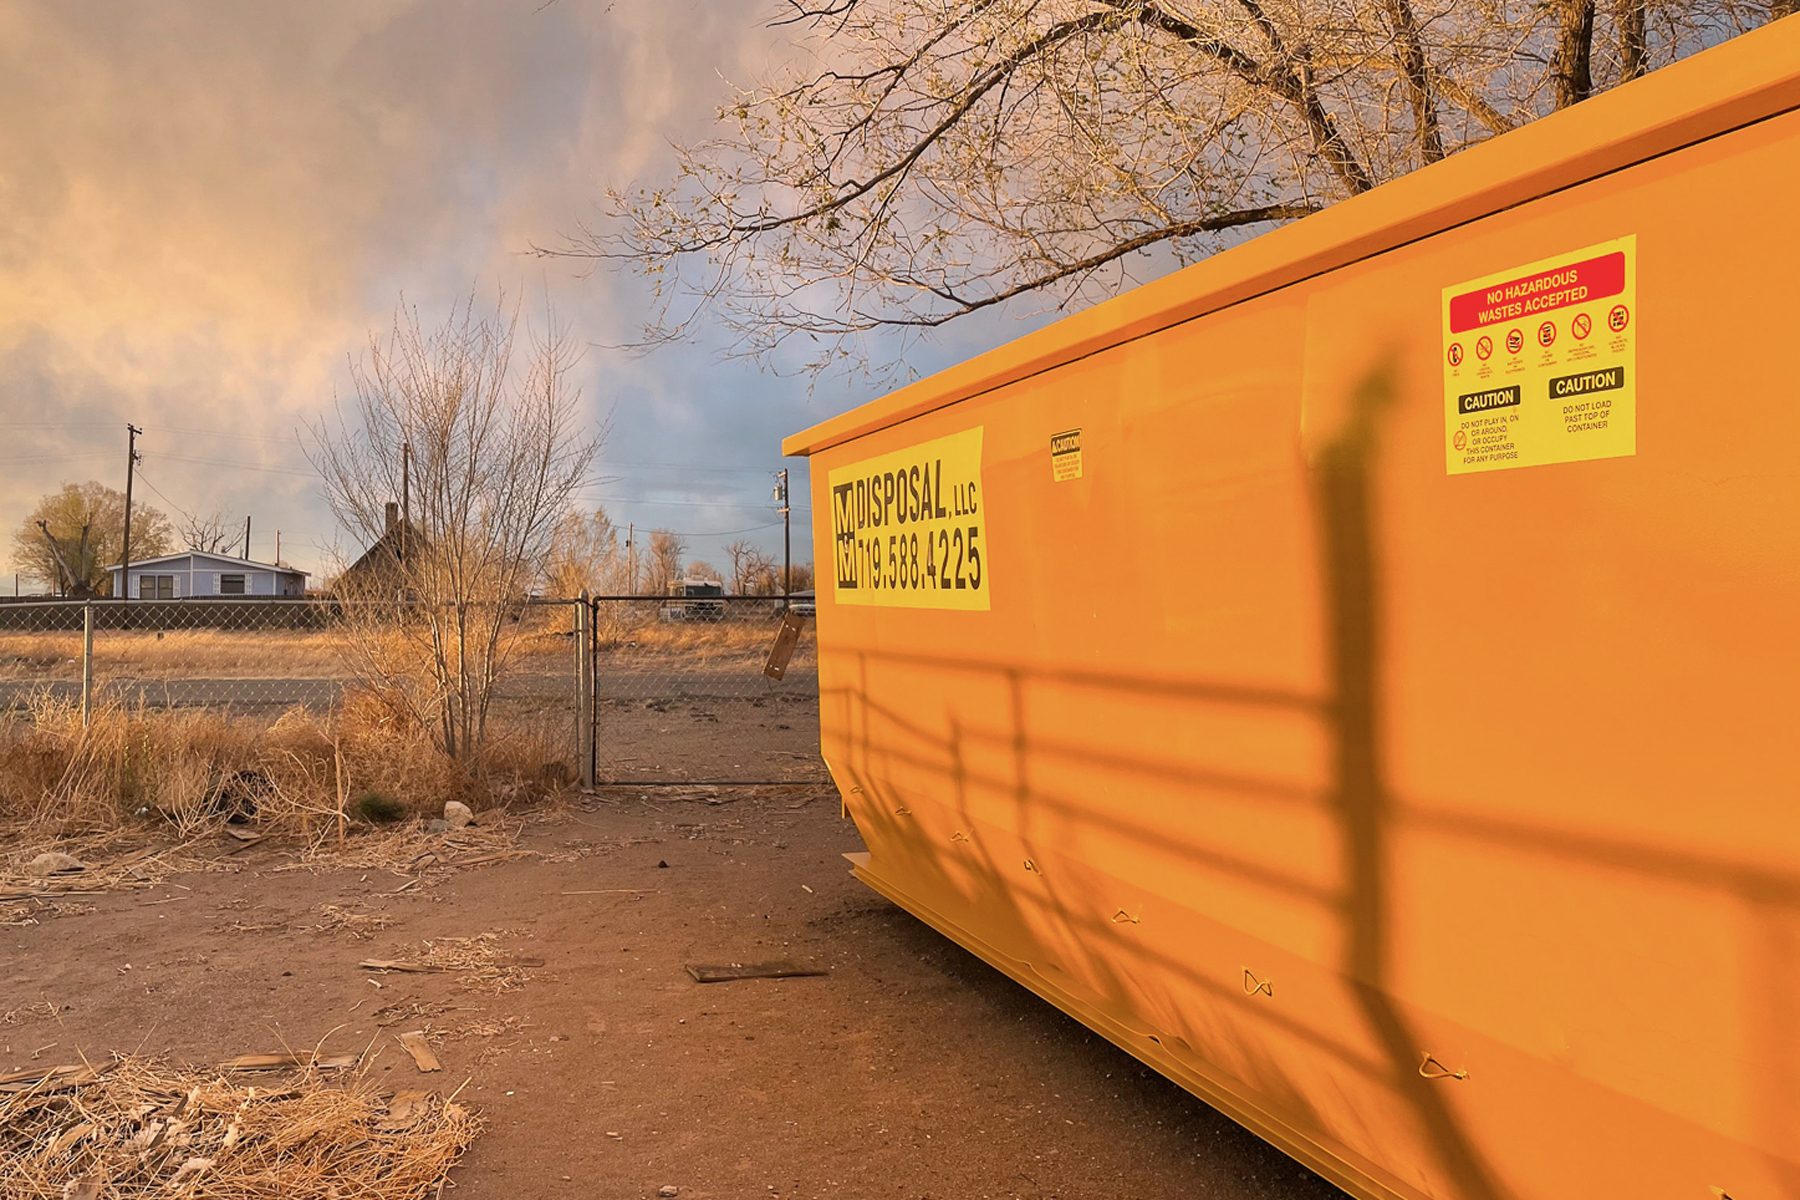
1357 673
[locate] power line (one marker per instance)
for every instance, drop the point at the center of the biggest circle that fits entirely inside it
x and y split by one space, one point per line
184 512
628 466
292 439
730 504
242 466
717 533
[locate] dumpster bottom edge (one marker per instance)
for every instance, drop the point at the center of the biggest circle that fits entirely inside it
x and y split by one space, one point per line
1346 1175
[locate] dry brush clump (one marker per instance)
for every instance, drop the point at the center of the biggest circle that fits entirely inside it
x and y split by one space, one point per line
139 1127
193 769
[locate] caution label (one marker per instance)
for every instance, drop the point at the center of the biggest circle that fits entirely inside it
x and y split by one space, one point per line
1065 456
907 527
1540 362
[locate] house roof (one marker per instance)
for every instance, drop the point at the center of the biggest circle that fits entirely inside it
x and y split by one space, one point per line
226 558
385 549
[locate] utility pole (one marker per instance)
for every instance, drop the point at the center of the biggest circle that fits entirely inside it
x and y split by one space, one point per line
131 462
630 557
787 545
246 537
278 547
405 494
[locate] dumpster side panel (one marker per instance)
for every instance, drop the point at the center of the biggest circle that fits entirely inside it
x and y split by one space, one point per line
1440 827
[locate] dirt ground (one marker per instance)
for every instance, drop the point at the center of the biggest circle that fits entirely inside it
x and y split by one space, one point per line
910 1071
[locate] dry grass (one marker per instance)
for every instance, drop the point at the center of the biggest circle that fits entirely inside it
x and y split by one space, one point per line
112 859
701 643
358 926
42 1010
410 849
55 655
140 1128
36 912
479 962
216 653
189 770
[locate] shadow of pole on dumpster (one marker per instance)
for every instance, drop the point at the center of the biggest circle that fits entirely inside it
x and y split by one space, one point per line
1344 491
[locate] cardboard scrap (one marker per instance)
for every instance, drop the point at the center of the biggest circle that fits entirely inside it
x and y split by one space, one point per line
405 1109
413 1043
727 972
786 638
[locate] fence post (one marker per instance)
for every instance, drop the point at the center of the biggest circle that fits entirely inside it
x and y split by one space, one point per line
584 688
87 663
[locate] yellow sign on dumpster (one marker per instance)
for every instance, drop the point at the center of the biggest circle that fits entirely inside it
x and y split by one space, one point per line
1540 362
907 528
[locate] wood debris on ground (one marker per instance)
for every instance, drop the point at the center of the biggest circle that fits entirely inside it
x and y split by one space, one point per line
477 961
412 848
37 866
414 1043
409 1011
358 926
287 1060
730 972
140 1127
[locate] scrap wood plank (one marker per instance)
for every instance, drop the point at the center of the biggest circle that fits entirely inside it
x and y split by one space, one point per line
67 1075
413 1042
397 964
727 972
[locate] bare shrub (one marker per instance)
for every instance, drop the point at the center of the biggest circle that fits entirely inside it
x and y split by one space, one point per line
489 440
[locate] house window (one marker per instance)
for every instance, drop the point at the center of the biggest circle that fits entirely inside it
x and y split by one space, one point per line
231 585
156 587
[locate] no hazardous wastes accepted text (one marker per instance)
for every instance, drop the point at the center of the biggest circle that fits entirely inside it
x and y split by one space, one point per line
1564 390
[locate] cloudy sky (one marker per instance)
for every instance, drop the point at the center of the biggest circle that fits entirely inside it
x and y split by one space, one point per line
205 208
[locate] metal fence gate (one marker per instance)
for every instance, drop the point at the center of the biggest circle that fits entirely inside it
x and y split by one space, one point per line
680 695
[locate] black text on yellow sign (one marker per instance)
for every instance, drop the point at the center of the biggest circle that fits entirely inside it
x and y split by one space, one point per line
907 527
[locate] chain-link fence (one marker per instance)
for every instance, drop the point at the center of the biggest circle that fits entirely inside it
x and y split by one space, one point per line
624 689
474 674
681 695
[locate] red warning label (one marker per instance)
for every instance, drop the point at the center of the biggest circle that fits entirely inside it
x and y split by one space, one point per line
1564 285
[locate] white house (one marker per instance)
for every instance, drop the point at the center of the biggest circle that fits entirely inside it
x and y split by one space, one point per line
194 574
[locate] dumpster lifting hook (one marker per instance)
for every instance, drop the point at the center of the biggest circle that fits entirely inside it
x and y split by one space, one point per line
1431 1068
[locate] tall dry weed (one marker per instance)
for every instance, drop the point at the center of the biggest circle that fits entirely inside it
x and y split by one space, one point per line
193 768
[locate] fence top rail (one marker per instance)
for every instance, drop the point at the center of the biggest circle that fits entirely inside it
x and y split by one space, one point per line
248 602
725 599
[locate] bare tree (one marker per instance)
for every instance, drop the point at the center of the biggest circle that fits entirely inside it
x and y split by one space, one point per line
951 155
666 553
749 566
586 555
701 569
209 535
497 449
